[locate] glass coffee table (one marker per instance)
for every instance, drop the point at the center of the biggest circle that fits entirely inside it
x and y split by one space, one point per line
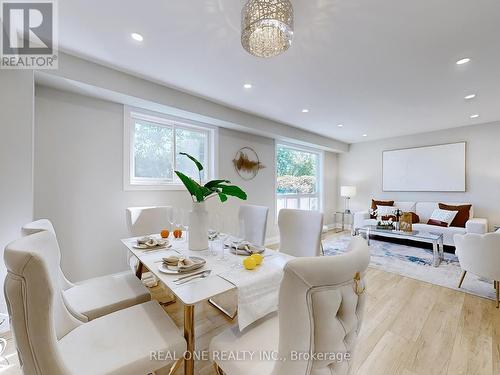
436 239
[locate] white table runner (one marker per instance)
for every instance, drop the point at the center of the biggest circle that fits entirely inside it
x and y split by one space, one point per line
258 289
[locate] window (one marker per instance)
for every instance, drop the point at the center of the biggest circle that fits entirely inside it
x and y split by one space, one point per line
299 182
152 146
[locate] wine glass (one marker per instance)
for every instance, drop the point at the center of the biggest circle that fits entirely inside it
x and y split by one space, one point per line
236 243
170 219
213 230
185 222
177 217
223 236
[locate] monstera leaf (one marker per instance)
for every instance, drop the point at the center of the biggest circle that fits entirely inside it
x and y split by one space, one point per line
201 193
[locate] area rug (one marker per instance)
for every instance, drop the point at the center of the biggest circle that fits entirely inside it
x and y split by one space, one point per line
416 263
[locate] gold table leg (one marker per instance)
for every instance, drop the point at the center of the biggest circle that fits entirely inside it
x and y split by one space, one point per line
462 278
498 293
140 268
189 336
222 309
175 366
218 371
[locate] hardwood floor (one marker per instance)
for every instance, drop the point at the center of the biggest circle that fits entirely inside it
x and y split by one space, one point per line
409 328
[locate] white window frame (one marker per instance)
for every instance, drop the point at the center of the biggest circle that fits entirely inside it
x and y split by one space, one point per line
320 186
130 114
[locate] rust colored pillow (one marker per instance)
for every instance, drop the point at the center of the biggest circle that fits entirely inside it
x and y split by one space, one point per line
437 223
380 203
462 214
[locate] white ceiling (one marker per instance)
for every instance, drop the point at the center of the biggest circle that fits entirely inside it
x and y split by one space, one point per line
380 67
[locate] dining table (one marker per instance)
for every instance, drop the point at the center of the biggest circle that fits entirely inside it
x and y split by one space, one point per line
196 290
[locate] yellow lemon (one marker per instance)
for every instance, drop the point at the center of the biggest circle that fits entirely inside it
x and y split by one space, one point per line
249 263
258 258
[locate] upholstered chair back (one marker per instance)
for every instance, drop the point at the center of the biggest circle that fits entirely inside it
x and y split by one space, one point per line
46 225
300 232
34 298
142 221
38 226
253 223
321 309
479 253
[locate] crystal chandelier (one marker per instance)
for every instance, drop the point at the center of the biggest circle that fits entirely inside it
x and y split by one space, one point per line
266 27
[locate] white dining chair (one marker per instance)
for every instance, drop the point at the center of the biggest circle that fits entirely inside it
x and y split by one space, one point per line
51 341
96 297
253 223
320 310
480 255
300 232
143 221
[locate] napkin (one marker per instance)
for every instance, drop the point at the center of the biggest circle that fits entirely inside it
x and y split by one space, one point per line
246 247
182 263
150 242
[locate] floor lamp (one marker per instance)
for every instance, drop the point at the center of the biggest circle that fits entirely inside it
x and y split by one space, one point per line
347 192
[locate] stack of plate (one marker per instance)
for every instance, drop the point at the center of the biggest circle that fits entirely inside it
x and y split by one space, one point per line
174 266
148 243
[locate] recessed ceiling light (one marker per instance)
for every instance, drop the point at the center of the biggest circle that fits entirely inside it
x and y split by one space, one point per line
365 135
474 116
305 110
137 37
470 96
340 125
463 61
247 85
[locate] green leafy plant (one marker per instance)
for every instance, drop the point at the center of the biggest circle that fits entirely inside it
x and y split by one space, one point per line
200 193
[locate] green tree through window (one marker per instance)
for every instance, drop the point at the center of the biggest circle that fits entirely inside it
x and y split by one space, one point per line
296 171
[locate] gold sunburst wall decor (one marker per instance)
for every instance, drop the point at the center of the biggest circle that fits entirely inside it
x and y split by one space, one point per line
247 163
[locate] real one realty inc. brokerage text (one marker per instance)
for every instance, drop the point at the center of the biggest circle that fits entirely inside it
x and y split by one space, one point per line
249 355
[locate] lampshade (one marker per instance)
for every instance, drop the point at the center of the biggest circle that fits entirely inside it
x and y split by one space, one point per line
348 191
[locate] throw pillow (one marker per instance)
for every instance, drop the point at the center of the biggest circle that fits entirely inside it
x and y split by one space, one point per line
385 211
437 223
442 216
376 203
463 213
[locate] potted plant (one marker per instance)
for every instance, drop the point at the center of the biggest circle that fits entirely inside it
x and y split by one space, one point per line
198 216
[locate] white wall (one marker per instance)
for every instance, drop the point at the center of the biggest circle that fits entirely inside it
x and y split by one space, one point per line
330 186
16 157
260 190
79 185
78 180
362 166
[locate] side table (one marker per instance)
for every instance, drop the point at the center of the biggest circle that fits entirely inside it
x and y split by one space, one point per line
344 215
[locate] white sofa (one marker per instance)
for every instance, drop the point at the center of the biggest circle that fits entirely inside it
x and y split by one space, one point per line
424 211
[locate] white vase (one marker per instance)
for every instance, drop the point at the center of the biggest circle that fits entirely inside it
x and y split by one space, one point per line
198 227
